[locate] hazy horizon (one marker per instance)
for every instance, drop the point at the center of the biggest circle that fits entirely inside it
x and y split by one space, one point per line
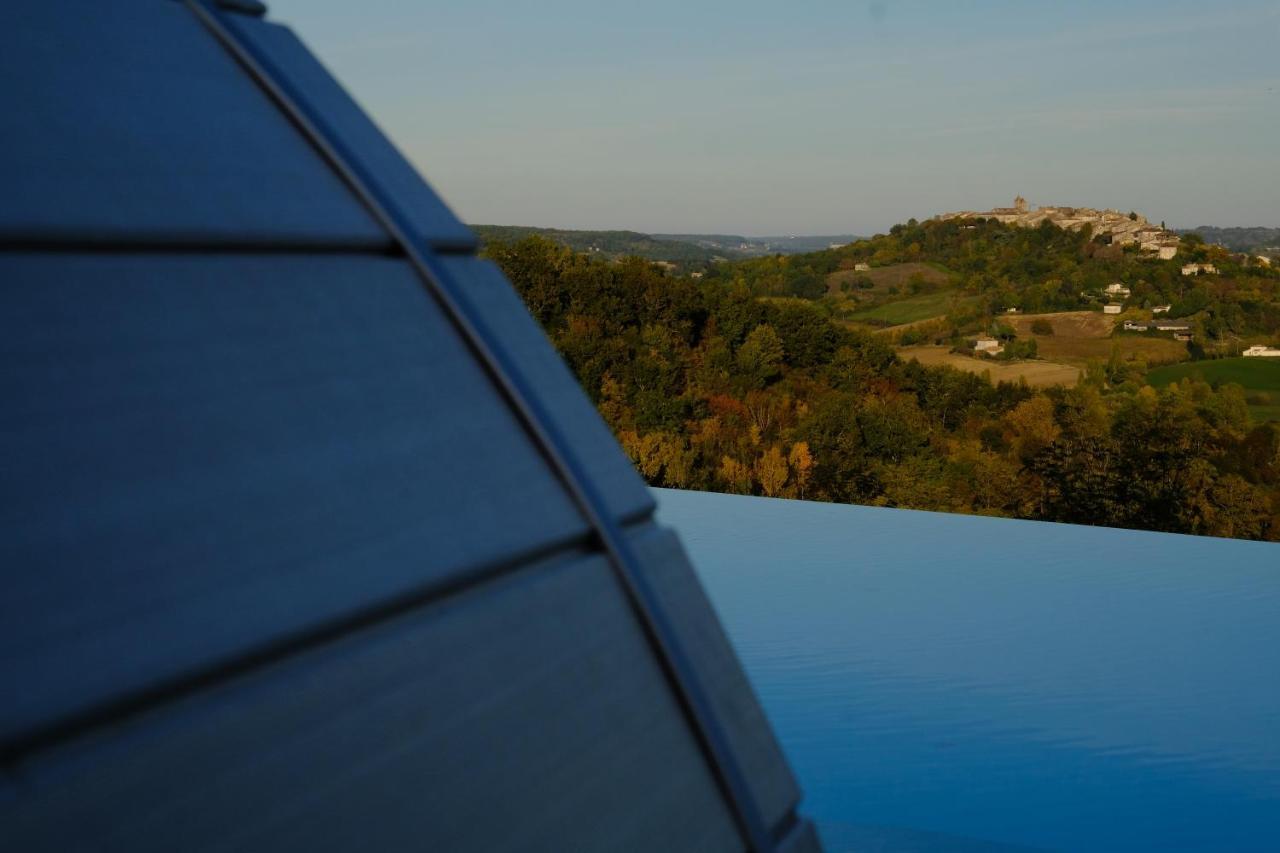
760 120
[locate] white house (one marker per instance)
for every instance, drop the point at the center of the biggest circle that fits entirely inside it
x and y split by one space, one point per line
1260 351
1197 269
1116 289
1112 308
1262 259
1169 326
861 267
1160 309
987 345
1131 326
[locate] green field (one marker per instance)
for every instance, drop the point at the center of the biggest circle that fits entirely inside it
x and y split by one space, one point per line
910 310
1260 378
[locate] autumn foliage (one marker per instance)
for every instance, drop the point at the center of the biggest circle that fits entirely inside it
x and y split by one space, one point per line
709 387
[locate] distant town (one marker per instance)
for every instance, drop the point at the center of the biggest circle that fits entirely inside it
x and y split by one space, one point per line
1124 229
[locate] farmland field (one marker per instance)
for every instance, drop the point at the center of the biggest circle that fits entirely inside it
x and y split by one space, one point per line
1154 350
1066 324
909 310
1083 335
894 275
1037 373
1260 378
1261 374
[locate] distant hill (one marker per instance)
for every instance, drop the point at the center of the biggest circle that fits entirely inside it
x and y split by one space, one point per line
944 282
610 245
686 251
733 245
1263 241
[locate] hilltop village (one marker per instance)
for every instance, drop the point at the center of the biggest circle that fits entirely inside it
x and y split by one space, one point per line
1124 229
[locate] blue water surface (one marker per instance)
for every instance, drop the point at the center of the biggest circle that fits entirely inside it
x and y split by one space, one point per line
946 682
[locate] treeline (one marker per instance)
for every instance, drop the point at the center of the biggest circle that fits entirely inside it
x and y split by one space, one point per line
611 245
709 387
1252 239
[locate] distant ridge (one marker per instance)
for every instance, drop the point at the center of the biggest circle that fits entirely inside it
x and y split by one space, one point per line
757 246
1254 239
684 251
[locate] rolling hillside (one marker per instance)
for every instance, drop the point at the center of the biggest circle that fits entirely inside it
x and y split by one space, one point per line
735 382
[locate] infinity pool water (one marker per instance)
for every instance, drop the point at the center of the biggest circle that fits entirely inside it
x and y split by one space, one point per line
946 682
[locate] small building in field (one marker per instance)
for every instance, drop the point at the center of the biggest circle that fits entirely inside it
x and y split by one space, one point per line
1198 269
1130 326
1261 351
861 267
1169 326
990 346
1182 336
1112 308
1116 289
1160 309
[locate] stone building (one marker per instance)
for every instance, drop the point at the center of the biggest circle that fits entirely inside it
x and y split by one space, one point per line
1123 228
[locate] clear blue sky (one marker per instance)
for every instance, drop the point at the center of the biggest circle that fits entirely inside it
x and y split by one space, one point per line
817 117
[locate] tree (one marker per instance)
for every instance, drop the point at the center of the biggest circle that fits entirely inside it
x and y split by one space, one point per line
1003 331
1032 427
735 475
801 462
759 358
808 286
771 472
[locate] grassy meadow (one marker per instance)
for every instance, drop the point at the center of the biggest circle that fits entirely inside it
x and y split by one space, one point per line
909 310
1260 378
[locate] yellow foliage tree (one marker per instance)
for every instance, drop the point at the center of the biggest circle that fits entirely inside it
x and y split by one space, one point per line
613 404
677 461
645 451
801 461
737 477
771 471
1033 426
